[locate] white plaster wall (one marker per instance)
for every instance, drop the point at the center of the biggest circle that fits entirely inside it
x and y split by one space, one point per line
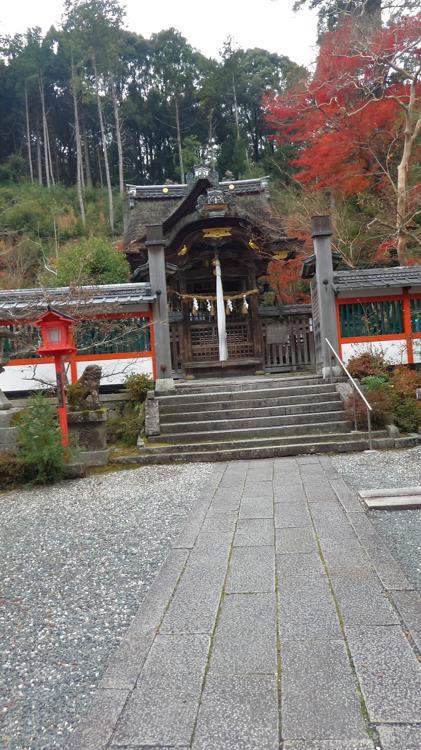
30 377
417 350
394 352
114 371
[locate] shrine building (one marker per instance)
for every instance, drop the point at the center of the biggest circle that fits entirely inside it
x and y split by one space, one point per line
205 246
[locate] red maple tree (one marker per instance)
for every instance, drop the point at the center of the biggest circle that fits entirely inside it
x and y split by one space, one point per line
357 123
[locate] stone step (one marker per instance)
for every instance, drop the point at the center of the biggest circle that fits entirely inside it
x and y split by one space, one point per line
260 442
246 384
246 395
275 431
252 403
251 423
323 445
333 404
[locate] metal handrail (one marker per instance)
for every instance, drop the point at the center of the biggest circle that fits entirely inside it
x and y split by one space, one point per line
360 393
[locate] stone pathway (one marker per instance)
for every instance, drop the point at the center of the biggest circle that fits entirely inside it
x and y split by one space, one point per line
280 620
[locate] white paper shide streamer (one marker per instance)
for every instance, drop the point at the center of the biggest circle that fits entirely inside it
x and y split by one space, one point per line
220 311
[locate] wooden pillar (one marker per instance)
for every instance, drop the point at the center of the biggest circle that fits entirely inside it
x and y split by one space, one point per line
407 325
185 343
156 254
256 327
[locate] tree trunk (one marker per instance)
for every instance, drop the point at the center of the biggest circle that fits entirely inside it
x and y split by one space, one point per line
101 181
79 165
105 151
180 150
118 138
39 159
411 134
237 122
44 132
88 173
28 135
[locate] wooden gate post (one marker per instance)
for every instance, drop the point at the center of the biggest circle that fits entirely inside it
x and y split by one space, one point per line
325 295
156 254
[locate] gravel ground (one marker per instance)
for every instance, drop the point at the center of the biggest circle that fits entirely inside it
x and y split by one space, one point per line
381 470
76 560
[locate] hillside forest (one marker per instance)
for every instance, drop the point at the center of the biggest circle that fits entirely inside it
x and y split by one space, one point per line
91 106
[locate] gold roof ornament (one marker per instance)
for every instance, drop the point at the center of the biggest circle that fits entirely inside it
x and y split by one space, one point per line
217 232
281 255
253 245
183 250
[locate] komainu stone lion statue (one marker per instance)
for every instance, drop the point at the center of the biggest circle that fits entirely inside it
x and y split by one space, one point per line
86 386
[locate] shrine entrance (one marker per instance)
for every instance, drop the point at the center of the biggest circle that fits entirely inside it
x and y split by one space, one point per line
203 317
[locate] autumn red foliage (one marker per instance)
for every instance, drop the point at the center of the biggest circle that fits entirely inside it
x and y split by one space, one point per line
348 121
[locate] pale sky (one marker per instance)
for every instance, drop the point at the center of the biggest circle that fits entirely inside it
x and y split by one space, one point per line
269 24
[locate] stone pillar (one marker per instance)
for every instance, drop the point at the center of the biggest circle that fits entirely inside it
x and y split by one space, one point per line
321 233
156 254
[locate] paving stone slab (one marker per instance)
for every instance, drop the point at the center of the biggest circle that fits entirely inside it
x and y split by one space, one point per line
213 541
256 507
365 530
191 528
307 609
258 490
289 541
291 515
245 637
400 738
347 498
416 635
195 602
388 672
223 522
389 570
289 493
289 478
319 699
254 532
346 560
95 731
252 569
336 744
408 604
318 491
222 502
238 713
362 601
125 664
163 707
300 564
302 460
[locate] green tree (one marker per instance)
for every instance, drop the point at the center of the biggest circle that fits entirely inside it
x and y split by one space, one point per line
91 261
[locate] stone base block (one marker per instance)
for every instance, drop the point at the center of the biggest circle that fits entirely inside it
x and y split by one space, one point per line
94 458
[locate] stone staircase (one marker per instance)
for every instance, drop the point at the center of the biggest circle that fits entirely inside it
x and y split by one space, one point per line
252 418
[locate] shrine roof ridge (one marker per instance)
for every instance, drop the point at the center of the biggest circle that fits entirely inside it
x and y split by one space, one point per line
178 190
15 301
366 278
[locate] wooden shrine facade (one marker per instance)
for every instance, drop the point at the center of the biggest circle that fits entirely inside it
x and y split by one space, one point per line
187 240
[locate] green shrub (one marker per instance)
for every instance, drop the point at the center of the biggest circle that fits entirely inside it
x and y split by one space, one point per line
375 383
405 381
406 413
382 409
367 364
138 386
125 427
14 471
39 441
91 261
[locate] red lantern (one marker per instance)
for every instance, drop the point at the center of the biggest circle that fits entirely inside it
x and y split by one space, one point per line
57 342
56 331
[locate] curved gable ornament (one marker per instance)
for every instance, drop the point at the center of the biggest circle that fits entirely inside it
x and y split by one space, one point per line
215 203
